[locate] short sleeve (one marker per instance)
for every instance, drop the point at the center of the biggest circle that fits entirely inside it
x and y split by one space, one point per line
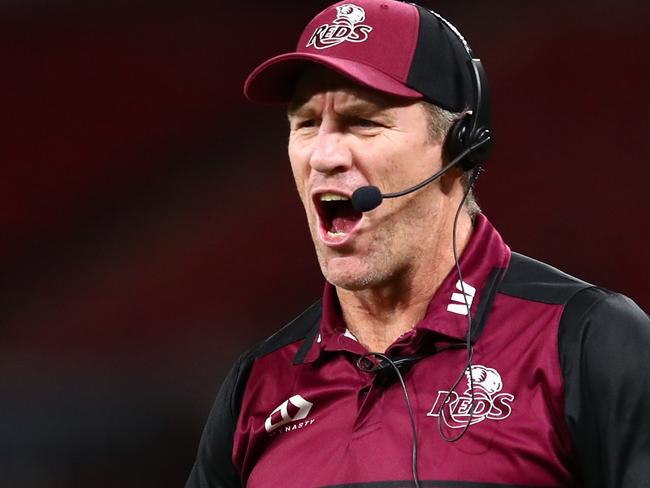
213 467
604 346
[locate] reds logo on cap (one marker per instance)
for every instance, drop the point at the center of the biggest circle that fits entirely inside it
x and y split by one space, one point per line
346 27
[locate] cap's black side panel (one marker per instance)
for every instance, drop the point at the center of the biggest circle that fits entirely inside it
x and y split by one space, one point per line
438 69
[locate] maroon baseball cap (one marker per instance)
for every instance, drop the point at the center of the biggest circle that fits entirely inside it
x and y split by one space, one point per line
391 46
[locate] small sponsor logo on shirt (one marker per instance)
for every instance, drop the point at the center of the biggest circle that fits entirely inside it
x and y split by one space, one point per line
346 27
489 402
294 409
458 300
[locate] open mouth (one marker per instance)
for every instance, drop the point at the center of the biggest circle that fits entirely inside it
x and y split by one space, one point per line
337 216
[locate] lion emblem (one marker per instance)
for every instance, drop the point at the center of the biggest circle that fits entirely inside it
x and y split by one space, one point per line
485 378
350 14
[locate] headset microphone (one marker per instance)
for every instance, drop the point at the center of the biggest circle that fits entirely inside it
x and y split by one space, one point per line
469 141
367 198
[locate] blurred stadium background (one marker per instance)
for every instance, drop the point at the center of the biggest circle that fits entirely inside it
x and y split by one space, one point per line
150 232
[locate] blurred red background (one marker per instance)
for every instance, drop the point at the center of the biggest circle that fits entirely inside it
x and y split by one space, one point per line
150 231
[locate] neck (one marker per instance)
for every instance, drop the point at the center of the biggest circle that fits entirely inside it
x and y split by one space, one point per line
377 316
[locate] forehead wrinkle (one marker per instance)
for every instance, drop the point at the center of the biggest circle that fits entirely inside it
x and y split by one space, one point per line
356 106
319 80
345 102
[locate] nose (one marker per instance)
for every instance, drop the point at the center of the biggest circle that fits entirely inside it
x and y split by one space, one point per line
330 153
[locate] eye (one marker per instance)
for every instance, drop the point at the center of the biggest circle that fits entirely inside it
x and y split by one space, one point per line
366 123
369 121
305 124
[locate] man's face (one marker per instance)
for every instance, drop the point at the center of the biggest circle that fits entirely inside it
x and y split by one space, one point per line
343 136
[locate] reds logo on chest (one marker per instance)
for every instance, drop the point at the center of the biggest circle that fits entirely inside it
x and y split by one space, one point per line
490 403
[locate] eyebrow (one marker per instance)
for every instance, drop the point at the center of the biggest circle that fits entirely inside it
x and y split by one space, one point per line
354 108
295 109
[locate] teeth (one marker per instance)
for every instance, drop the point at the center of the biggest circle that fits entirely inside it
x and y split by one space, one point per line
332 197
335 234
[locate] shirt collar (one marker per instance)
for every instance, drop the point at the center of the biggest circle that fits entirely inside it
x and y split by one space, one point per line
482 264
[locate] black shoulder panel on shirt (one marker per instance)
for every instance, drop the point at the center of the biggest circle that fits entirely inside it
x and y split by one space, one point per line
533 280
604 346
299 328
213 466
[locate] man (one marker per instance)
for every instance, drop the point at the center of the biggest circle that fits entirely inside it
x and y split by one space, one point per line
418 368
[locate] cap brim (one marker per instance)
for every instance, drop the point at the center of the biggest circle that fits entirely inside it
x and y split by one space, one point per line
273 81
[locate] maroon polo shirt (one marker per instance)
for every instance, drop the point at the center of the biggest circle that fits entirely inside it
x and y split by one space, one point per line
551 357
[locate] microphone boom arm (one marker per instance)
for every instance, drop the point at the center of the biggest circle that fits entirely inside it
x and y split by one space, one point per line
437 175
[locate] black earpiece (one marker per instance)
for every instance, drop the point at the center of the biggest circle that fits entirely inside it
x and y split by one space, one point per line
474 127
